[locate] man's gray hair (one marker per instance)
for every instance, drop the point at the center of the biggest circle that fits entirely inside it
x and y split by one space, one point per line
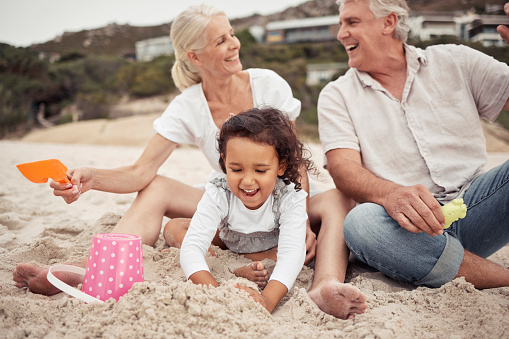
382 8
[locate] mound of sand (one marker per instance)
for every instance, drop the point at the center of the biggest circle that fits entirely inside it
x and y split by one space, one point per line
37 227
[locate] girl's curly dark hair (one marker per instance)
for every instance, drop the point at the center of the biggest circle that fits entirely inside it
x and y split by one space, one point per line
268 126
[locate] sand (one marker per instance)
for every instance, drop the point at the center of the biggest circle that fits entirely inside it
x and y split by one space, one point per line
37 227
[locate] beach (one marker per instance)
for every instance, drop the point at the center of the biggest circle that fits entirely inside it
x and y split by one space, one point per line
37 227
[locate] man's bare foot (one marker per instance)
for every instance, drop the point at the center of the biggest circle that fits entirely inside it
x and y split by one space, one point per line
34 278
255 272
340 300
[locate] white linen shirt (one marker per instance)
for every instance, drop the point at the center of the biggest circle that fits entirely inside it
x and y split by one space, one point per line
188 120
213 207
433 136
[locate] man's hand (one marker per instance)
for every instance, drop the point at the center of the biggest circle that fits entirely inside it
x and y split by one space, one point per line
310 244
415 209
504 30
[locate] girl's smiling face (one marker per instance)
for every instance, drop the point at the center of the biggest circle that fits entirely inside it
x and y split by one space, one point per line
251 170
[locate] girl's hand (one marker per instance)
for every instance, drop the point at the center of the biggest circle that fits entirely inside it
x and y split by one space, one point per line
256 296
80 182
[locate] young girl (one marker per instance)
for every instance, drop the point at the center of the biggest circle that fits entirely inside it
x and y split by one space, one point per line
258 210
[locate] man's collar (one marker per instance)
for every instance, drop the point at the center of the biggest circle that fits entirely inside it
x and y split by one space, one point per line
414 57
414 53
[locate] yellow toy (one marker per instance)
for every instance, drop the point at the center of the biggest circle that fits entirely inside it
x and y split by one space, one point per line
453 211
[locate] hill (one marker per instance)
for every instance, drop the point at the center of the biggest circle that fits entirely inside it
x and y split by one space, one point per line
119 40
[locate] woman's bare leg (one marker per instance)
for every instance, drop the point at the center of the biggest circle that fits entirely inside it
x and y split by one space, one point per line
175 230
328 291
162 197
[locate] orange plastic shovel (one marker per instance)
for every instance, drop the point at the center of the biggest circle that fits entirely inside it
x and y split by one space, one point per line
39 171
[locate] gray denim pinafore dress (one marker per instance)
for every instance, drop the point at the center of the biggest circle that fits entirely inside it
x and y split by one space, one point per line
252 242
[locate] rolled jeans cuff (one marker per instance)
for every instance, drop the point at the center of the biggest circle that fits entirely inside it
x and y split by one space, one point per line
447 266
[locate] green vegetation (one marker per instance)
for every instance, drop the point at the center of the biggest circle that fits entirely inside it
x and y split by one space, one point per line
94 82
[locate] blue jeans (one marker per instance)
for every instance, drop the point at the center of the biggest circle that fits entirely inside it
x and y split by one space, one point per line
377 240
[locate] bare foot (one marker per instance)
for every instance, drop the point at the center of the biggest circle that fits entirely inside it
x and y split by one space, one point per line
34 278
340 300
255 272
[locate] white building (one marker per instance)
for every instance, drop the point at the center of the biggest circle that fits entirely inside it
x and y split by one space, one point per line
147 50
303 30
426 27
484 29
323 73
468 27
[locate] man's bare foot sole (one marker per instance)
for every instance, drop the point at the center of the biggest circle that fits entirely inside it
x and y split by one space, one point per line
340 300
254 272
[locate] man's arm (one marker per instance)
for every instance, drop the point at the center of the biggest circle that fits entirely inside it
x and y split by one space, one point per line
414 207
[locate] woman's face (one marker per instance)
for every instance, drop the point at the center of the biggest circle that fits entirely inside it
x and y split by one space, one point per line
221 54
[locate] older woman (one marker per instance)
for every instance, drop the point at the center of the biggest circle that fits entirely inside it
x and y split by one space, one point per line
209 73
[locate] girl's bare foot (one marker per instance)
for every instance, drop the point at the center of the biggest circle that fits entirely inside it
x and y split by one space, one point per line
340 300
255 272
34 278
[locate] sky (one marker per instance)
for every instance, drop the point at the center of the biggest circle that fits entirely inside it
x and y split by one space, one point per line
24 22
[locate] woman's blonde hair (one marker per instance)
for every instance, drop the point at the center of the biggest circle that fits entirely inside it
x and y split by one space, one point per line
188 33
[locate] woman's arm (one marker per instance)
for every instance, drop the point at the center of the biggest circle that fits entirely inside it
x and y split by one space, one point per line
127 179
137 176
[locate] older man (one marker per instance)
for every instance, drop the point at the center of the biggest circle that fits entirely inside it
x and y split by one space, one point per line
402 135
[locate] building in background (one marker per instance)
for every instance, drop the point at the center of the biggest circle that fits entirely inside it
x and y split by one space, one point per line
466 26
317 74
430 26
423 26
148 50
302 30
484 29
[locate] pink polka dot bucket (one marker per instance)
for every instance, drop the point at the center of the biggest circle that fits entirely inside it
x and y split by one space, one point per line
115 263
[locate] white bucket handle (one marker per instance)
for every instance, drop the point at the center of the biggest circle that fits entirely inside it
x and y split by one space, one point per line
67 288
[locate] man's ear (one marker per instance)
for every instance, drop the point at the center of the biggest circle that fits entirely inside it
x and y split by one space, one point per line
390 23
194 58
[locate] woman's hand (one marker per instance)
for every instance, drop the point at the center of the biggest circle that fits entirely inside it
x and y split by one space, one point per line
310 244
80 178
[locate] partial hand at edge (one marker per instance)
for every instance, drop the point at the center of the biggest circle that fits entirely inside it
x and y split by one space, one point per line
504 30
